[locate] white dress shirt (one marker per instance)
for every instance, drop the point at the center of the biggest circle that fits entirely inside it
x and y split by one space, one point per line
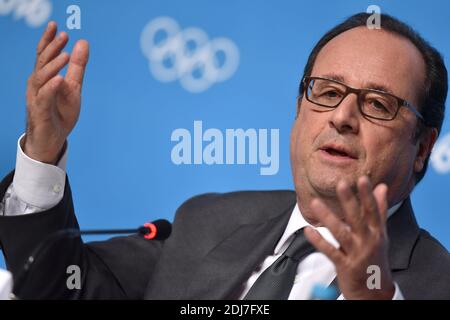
37 187
315 269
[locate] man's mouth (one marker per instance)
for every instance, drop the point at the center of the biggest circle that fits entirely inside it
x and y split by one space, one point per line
335 152
339 151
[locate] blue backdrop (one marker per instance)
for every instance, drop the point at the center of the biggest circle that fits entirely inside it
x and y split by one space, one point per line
136 95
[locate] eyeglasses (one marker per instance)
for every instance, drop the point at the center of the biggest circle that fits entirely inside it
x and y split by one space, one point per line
372 103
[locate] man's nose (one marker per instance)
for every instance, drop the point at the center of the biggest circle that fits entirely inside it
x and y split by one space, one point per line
346 116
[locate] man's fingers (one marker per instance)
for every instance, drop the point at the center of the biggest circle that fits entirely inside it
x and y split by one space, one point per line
350 206
49 90
322 245
50 70
328 219
368 202
78 62
380 194
47 37
52 50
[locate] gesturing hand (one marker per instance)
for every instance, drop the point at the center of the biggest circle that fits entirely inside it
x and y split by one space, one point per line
53 101
362 237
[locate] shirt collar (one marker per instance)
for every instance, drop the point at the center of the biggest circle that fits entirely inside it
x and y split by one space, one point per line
297 221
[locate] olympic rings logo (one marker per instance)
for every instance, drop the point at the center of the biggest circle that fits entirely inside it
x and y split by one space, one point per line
35 12
440 156
187 55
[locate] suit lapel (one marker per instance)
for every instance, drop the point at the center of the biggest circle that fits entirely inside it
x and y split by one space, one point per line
403 232
233 260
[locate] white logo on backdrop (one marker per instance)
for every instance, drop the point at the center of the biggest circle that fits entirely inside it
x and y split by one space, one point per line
35 12
187 55
440 157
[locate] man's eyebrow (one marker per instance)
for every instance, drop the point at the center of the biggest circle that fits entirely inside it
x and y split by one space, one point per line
368 85
379 87
333 76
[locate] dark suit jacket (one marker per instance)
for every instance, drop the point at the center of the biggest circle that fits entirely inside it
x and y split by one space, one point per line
217 241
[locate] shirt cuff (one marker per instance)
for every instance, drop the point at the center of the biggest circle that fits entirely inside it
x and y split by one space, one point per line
37 183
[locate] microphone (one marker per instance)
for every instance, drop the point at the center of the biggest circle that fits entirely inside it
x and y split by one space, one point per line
156 230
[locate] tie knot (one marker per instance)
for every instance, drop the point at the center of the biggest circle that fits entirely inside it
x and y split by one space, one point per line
299 247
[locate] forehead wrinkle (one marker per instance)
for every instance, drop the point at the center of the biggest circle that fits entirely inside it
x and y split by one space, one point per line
413 72
366 84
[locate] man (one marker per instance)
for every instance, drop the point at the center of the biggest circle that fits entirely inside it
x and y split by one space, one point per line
366 123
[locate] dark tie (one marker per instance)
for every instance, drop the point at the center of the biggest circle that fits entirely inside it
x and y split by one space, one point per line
276 282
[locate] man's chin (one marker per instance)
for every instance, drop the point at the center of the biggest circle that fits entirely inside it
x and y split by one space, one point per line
325 185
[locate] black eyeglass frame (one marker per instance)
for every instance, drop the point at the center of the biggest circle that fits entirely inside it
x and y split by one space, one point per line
401 102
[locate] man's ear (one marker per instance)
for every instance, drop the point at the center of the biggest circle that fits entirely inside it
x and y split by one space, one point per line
424 144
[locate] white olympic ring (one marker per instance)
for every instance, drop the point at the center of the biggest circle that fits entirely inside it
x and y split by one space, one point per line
185 61
440 157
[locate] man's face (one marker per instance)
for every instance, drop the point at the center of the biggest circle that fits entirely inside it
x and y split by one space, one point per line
383 150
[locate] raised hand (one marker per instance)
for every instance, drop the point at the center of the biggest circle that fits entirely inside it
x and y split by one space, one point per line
362 237
53 101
